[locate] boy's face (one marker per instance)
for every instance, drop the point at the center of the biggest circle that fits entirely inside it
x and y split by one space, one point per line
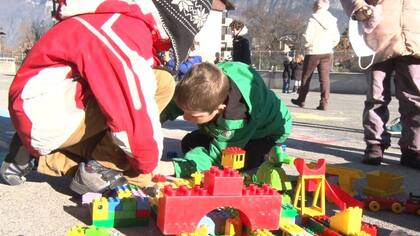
202 117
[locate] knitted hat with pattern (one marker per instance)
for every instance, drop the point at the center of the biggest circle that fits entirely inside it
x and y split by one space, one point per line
182 20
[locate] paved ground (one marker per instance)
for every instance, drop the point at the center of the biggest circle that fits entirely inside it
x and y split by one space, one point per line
45 206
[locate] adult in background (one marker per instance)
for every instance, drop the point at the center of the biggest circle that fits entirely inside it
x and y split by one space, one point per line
241 49
394 35
321 36
287 73
86 100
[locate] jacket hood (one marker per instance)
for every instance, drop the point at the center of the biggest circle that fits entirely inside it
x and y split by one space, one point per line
69 8
243 32
177 21
324 18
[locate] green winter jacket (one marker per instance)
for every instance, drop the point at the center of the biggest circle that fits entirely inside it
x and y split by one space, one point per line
268 116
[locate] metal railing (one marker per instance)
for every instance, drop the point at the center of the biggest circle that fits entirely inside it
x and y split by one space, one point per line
343 61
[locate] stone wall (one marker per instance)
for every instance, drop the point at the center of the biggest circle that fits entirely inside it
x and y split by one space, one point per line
7 65
346 83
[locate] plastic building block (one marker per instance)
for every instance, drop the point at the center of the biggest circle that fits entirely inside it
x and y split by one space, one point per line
318 178
197 178
219 217
292 229
124 192
346 176
131 210
381 183
100 209
262 232
340 198
159 178
200 231
377 203
259 207
233 226
348 221
271 173
81 230
223 182
412 205
288 213
233 157
209 223
88 198
370 229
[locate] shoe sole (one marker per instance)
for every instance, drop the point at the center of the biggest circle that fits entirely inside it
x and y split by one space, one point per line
79 188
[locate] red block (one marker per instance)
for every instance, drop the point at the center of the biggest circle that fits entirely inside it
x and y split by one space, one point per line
180 210
223 182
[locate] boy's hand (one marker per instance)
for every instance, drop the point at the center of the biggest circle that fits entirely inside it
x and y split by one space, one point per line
164 168
362 14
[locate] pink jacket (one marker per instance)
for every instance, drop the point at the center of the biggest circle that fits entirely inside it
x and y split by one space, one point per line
103 50
398 33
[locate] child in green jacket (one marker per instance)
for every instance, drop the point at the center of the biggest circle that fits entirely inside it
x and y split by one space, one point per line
232 107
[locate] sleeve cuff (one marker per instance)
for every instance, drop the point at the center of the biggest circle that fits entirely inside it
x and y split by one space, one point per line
184 168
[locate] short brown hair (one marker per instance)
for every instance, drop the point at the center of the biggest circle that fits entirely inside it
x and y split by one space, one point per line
236 24
203 88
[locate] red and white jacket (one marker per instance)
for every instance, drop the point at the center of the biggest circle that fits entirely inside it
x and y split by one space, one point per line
103 50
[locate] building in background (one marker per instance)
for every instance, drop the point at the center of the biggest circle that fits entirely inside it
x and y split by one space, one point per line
215 36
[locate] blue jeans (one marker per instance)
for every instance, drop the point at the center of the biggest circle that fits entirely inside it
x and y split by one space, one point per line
286 85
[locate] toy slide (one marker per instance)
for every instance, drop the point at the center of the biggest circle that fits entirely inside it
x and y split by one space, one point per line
340 198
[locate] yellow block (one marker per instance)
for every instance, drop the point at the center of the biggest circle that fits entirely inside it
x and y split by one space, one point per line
348 221
100 209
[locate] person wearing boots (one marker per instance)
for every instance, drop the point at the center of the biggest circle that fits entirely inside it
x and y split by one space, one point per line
321 36
86 100
391 31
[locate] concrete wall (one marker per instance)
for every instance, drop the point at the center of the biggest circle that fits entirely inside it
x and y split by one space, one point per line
7 66
347 83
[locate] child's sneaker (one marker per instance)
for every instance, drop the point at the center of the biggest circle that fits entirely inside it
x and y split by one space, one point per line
394 127
17 164
14 174
93 177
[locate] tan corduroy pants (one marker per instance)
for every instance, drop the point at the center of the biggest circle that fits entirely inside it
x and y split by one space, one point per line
92 141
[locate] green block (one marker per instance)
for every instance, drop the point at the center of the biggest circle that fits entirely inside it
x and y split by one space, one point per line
104 223
273 175
131 222
95 231
126 209
288 211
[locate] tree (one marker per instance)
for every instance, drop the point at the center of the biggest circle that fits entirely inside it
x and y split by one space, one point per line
31 32
270 27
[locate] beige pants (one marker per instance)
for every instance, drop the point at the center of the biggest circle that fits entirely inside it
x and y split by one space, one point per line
92 141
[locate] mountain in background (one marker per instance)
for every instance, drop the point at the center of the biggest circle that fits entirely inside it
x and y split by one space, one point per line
15 13
299 7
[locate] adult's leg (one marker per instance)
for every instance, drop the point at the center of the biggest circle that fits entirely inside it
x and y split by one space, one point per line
91 141
407 84
376 113
324 68
17 163
309 65
256 150
165 88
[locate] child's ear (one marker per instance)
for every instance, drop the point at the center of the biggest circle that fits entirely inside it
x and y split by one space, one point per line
221 107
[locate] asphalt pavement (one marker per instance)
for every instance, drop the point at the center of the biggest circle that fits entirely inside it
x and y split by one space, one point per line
45 206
